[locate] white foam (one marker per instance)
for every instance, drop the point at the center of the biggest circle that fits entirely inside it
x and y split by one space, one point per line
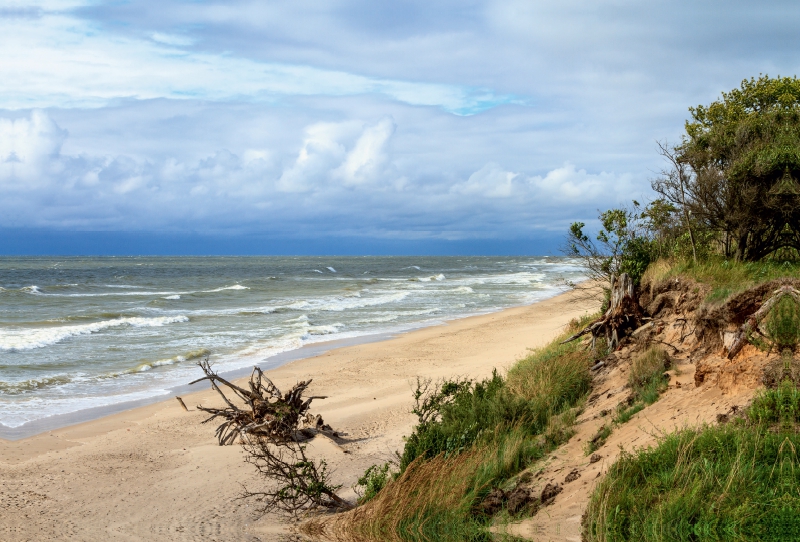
234 287
331 269
462 290
31 289
346 303
28 339
173 297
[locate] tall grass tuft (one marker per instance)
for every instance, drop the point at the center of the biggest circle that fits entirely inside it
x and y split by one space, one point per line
434 500
646 378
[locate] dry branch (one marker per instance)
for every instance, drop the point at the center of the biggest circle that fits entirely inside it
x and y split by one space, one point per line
267 413
269 426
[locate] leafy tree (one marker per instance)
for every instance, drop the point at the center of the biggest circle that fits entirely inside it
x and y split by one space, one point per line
735 170
622 245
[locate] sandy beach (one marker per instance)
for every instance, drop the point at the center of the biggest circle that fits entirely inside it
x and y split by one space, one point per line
156 473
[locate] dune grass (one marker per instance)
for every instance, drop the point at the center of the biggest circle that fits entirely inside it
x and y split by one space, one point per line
724 277
735 482
473 437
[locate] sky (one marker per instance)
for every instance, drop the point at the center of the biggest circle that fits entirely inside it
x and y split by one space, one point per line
351 126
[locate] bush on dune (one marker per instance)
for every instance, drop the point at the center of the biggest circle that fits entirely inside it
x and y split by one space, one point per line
473 437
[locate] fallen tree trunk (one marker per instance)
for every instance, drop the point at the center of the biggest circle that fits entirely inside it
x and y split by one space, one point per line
623 313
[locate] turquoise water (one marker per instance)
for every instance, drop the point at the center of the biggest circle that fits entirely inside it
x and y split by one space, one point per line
78 333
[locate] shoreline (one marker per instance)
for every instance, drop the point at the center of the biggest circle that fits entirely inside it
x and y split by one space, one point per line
156 473
310 350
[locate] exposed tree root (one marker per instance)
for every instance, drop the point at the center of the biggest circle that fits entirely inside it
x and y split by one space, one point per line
269 413
624 314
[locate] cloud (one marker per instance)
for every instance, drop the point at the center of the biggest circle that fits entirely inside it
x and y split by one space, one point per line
322 151
490 181
344 175
59 60
27 146
365 162
569 184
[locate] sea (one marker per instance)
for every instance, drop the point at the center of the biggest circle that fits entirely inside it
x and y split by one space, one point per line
80 337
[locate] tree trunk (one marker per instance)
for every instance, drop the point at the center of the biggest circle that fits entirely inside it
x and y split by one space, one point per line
741 247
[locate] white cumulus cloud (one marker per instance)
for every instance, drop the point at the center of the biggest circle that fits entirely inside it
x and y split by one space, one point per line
369 156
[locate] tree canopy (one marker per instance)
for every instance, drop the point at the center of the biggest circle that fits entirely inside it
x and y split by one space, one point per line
740 160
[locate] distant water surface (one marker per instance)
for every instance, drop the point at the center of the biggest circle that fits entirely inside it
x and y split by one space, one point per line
79 333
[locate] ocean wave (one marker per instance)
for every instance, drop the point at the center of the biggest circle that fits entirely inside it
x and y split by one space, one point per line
12 340
173 297
33 384
143 293
339 304
234 287
31 289
147 366
462 290
324 330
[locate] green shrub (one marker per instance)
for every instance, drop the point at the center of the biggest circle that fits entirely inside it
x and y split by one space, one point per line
373 480
457 412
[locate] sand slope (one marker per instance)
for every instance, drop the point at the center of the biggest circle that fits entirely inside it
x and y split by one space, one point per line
155 473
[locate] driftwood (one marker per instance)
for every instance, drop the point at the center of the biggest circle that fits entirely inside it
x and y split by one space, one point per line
753 321
296 483
270 426
266 413
623 314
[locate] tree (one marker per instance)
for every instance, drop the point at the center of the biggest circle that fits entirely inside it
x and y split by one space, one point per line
736 169
673 186
623 244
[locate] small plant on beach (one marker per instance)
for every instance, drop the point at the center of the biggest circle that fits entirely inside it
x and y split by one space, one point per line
294 482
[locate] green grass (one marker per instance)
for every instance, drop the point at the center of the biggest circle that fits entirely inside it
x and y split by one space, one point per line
735 482
625 414
473 437
723 277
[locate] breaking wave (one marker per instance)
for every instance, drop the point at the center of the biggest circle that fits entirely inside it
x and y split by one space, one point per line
12 340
